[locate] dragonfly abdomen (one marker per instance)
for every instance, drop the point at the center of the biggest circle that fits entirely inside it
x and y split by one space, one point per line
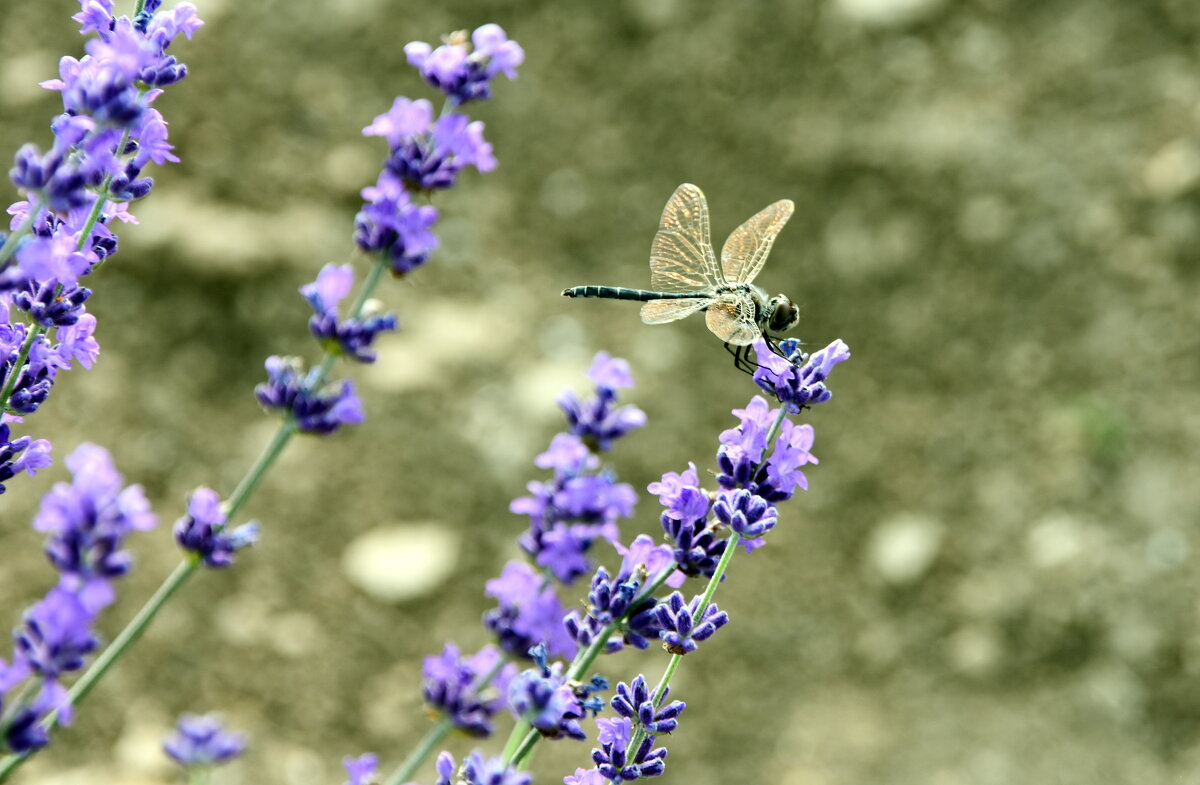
621 293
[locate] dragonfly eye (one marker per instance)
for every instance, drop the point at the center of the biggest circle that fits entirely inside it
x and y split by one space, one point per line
784 315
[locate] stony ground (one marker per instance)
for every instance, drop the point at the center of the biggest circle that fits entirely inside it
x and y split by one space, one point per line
993 579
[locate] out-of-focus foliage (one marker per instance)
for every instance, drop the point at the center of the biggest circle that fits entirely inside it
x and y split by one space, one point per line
993 578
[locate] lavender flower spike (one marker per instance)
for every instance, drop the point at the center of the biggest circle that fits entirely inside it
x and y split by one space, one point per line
361 770
462 68
351 337
453 687
202 741
681 631
635 702
798 381
204 534
476 770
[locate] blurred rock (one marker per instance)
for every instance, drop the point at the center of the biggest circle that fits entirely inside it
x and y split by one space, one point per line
401 562
884 13
1173 170
902 549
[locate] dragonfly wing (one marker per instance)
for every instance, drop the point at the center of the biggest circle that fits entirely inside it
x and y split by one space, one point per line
747 247
662 311
681 257
732 320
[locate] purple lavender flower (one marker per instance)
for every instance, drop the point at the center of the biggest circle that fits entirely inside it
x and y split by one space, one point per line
204 534
23 454
56 635
24 733
613 760
391 223
681 630
529 613
203 741
314 411
462 71
596 420
636 702
87 522
351 337
585 777
542 697
431 159
681 495
476 770
52 305
567 516
746 513
455 687
791 453
798 381
618 600
697 547
361 770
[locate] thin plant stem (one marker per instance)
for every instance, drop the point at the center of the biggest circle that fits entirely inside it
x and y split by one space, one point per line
430 741
524 750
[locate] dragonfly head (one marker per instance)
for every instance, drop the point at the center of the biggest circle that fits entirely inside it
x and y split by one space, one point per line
782 314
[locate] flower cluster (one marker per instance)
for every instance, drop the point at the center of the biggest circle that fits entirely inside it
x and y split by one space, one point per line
457 688
584 501
618 607
598 421
351 337
204 531
86 523
202 741
529 613
477 770
62 230
799 380
635 702
615 762
297 395
463 69
544 698
685 626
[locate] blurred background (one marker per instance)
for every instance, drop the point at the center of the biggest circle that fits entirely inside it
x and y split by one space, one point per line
993 577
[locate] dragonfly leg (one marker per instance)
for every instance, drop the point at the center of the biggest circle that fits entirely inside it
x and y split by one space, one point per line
741 358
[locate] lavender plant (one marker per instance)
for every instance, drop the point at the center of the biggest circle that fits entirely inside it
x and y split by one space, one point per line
540 670
61 232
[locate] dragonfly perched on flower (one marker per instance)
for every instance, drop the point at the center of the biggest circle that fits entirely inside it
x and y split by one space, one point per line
686 278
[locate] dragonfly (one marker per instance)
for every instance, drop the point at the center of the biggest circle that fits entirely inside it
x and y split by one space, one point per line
686 278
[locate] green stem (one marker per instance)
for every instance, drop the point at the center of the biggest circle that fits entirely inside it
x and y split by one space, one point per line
420 752
520 755
259 470
15 369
